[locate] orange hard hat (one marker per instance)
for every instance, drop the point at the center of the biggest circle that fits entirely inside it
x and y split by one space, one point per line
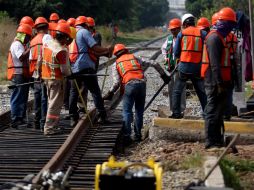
215 17
54 17
80 20
71 21
52 29
40 21
64 28
62 21
27 20
25 28
118 48
227 14
203 22
90 21
174 23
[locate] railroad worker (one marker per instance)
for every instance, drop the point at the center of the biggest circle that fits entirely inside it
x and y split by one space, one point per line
204 24
128 74
188 49
27 20
18 73
40 92
54 68
231 41
170 62
54 18
83 63
216 70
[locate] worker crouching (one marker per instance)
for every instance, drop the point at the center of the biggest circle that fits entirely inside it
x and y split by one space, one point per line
128 73
54 68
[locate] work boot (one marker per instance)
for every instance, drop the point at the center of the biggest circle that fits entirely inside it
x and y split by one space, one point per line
127 141
103 119
138 138
176 116
36 125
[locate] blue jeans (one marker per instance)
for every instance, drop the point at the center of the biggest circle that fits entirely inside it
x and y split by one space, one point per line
178 90
91 83
134 92
19 98
40 103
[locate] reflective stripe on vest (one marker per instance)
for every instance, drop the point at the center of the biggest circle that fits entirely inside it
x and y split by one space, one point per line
191 45
129 68
225 65
35 45
50 66
11 67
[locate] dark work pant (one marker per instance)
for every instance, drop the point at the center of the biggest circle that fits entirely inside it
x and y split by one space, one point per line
180 85
19 98
67 87
91 83
40 103
214 115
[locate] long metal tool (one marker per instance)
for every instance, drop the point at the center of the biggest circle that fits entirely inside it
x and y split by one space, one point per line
22 84
160 89
201 182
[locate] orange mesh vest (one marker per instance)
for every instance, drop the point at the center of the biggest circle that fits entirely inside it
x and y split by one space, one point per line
225 66
231 41
50 65
35 45
73 52
191 45
129 68
11 67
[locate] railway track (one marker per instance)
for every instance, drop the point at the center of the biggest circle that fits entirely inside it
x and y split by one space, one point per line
27 151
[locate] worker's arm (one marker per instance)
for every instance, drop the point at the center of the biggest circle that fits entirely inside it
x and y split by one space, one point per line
102 51
177 46
215 48
116 83
62 57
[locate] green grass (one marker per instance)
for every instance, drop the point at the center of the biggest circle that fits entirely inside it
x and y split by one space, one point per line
3 69
193 161
236 173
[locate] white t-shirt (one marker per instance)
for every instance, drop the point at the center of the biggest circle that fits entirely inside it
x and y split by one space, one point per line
17 49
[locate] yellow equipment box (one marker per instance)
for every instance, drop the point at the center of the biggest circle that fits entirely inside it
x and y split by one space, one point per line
113 175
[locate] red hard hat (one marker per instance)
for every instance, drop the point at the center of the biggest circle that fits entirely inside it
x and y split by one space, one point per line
40 21
71 21
54 17
215 17
25 28
227 14
90 21
27 20
64 28
52 29
62 21
80 20
203 22
174 23
118 47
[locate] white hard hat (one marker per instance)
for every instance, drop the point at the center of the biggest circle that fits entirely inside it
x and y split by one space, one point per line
186 16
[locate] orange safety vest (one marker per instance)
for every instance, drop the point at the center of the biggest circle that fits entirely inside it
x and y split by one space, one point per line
50 64
191 45
225 65
231 41
11 67
73 52
35 45
129 68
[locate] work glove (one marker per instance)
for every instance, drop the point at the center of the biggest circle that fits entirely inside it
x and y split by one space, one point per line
108 96
220 89
165 78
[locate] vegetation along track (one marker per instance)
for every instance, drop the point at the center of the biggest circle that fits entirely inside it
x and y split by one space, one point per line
28 151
